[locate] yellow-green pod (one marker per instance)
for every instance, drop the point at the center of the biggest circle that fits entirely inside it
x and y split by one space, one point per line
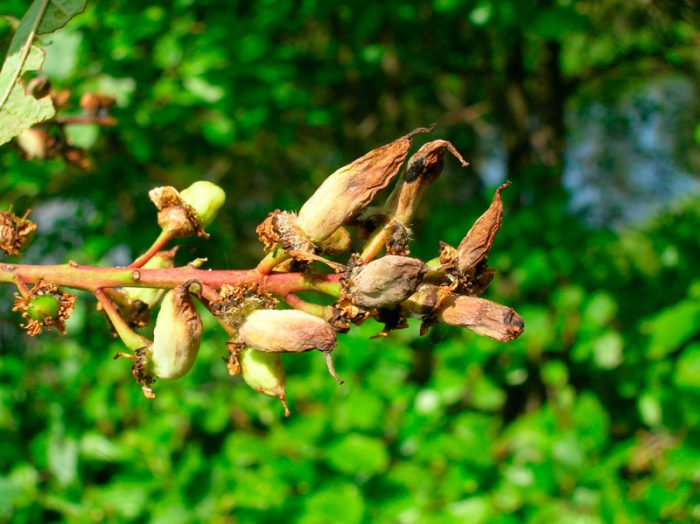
264 372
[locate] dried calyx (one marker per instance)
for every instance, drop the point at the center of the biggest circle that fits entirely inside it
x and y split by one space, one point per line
15 231
190 211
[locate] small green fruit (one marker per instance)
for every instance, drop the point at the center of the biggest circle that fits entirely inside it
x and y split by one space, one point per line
43 306
206 199
264 372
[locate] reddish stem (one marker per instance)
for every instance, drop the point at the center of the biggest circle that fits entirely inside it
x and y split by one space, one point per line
158 244
92 278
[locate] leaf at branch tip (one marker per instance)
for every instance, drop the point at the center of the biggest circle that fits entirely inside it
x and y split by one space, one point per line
18 110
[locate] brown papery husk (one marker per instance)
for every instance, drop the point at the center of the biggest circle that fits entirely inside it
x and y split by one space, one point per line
286 331
477 243
481 316
352 187
386 281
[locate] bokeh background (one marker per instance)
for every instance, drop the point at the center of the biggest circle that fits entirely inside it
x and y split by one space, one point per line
590 107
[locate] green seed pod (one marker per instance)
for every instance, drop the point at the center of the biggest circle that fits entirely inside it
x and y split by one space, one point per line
42 307
386 281
264 372
206 199
288 331
176 336
481 316
152 296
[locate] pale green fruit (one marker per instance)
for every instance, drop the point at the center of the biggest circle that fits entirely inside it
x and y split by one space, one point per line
264 372
177 335
206 198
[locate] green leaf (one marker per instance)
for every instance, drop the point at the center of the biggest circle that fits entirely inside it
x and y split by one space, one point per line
687 373
59 13
358 454
335 503
18 110
672 327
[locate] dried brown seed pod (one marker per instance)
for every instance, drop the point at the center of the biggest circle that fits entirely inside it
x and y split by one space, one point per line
481 316
424 166
386 281
351 188
288 331
476 244
15 232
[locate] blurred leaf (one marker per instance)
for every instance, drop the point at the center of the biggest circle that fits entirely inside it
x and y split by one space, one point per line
358 454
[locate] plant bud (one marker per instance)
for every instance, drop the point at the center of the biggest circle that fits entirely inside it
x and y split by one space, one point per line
481 316
475 246
288 331
152 296
264 372
386 281
176 336
351 188
206 199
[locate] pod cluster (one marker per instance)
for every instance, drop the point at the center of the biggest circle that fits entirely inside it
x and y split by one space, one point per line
366 245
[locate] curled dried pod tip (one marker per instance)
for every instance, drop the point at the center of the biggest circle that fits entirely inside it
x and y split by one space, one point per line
476 244
386 281
264 372
481 316
289 331
177 334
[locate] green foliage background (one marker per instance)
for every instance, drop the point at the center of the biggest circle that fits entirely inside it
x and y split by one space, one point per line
591 416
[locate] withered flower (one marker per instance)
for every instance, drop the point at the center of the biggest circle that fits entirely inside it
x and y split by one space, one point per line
481 316
351 188
44 306
385 281
264 372
289 331
15 232
475 246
